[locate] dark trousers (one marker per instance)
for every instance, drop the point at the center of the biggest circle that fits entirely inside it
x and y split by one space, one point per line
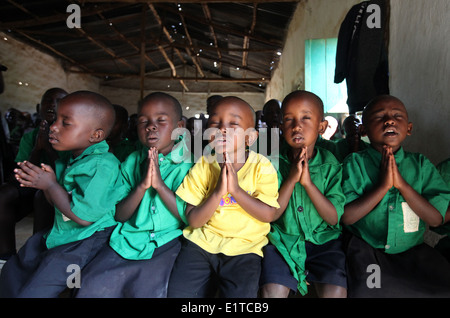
197 273
111 276
38 272
420 271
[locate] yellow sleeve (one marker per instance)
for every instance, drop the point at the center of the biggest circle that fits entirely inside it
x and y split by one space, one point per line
266 183
194 189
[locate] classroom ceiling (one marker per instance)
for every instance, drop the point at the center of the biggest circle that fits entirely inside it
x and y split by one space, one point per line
191 46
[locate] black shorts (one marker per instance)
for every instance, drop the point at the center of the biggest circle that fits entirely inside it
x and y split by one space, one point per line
325 264
197 273
420 271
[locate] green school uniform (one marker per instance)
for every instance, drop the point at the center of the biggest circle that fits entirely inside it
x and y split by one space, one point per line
444 229
152 224
444 170
94 183
300 221
341 148
123 149
326 144
392 225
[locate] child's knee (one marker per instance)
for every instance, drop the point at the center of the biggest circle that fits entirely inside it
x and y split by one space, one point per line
330 291
272 290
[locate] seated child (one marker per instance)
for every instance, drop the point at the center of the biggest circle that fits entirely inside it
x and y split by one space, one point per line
118 144
83 189
15 201
391 196
269 137
305 239
143 247
352 141
231 199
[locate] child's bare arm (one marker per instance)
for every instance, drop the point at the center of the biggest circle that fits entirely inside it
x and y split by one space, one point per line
44 179
323 206
126 207
424 210
256 208
158 184
362 206
197 216
288 185
284 195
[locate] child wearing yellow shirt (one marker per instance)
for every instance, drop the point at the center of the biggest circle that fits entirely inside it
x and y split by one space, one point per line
231 198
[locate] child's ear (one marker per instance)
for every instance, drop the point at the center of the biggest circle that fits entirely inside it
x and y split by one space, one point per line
251 138
323 126
97 136
409 129
180 124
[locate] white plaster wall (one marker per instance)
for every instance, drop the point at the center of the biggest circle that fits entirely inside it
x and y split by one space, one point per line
419 58
40 70
313 19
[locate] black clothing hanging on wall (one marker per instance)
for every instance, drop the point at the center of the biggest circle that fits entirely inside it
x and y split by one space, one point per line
361 55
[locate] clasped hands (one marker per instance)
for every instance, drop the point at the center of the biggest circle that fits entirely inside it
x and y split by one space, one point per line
389 174
152 177
32 176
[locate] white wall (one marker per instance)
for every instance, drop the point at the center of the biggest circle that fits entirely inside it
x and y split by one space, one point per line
313 19
419 58
39 70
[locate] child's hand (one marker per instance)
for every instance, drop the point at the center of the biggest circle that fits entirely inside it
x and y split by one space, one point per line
386 179
32 176
297 166
42 136
305 178
397 179
147 180
156 180
232 179
221 186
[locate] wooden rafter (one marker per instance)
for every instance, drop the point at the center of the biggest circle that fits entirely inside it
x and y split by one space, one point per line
180 78
142 50
161 49
246 43
104 48
37 21
193 57
124 38
225 29
207 14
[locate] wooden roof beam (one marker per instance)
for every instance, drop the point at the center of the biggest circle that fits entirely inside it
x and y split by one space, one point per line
124 38
194 58
104 48
161 49
180 78
246 43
